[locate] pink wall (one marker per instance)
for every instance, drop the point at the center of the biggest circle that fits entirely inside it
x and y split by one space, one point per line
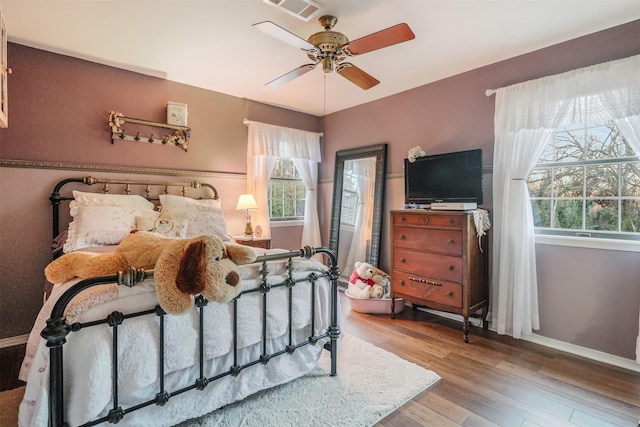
58 113
59 109
455 114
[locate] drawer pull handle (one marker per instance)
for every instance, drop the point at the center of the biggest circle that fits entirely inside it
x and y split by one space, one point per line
403 219
402 259
450 267
450 293
427 281
450 242
403 237
450 221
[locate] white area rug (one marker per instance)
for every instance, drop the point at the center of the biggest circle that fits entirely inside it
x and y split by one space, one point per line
371 383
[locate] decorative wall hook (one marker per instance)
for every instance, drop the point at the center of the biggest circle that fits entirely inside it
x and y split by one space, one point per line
178 137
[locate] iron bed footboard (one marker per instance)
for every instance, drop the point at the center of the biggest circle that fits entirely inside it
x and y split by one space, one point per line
57 329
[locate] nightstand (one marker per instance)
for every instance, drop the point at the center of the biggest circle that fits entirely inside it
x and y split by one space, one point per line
256 242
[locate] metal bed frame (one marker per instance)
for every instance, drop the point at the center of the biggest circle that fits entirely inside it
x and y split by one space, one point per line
58 328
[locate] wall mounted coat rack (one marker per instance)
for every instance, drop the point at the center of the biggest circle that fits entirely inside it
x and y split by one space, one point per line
144 132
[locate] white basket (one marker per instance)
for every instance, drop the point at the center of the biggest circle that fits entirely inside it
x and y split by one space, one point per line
374 305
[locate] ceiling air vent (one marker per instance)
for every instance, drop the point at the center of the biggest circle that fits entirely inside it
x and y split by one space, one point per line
301 9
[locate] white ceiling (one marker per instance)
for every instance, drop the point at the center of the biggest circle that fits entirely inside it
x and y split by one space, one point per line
211 44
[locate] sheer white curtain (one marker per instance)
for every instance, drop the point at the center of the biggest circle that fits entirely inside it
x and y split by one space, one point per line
365 170
308 170
526 116
258 185
630 128
266 143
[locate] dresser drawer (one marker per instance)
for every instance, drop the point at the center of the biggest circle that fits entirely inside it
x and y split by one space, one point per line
431 239
443 221
430 265
438 291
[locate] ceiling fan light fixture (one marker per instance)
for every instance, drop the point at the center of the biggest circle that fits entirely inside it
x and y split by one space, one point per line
327 65
332 48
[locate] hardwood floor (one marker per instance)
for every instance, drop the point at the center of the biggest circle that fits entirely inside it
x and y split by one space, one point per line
10 361
496 380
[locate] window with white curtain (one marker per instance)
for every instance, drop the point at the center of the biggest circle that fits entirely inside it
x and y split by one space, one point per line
587 184
350 198
287 192
535 120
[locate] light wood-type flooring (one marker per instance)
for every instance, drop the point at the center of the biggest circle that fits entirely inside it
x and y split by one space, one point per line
496 380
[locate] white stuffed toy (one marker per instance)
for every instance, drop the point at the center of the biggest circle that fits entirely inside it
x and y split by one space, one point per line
415 152
361 283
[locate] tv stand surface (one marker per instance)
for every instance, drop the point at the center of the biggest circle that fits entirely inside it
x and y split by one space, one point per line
454 206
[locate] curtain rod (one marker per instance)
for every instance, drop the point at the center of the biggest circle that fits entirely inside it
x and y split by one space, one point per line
248 122
490 92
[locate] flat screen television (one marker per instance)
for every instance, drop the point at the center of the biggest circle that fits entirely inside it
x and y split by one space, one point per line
449 178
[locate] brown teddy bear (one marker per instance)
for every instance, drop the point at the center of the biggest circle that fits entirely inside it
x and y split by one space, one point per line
182 267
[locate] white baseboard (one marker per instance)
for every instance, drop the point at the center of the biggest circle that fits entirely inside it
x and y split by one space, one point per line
13 341
588 353
577 350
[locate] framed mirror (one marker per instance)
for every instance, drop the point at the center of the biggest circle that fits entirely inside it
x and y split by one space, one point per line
358 200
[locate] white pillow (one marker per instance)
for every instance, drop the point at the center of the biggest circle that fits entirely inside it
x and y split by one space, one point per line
101 225
170 200
99 199
116 223
202 219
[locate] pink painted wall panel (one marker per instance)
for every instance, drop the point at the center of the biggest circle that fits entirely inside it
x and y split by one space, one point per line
58 113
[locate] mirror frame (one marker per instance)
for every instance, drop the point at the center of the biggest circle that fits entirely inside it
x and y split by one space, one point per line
378 151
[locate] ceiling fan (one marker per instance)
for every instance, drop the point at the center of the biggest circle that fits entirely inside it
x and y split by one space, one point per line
332 48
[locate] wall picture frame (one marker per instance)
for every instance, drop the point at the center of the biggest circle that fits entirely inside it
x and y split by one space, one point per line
176 114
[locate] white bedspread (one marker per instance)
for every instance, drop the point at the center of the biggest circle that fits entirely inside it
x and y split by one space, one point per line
87 356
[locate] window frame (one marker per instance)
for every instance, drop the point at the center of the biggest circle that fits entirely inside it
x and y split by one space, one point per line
286 220
583 237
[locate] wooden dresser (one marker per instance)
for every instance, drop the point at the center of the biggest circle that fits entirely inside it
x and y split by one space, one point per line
437 262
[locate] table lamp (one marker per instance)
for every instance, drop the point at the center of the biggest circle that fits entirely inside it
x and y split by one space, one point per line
247 202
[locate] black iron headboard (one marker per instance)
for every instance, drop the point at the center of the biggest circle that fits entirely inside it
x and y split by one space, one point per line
56 198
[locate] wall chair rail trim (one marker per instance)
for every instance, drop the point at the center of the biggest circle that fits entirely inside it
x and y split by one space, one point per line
13 341
29 164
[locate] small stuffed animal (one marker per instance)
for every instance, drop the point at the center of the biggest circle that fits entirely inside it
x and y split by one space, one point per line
415 152
383 279
182 267
361 283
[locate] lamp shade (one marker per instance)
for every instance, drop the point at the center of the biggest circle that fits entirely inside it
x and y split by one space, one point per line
246 202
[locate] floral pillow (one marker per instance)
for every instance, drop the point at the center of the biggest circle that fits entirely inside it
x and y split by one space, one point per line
204 216
100 225
170 200
103 219
99 199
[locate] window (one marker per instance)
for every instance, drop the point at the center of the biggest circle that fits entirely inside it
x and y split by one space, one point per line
587 184
286 192
350 199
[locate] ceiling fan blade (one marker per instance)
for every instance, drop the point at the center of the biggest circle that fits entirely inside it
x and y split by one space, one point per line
281 34
381 39
286 78
356 76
